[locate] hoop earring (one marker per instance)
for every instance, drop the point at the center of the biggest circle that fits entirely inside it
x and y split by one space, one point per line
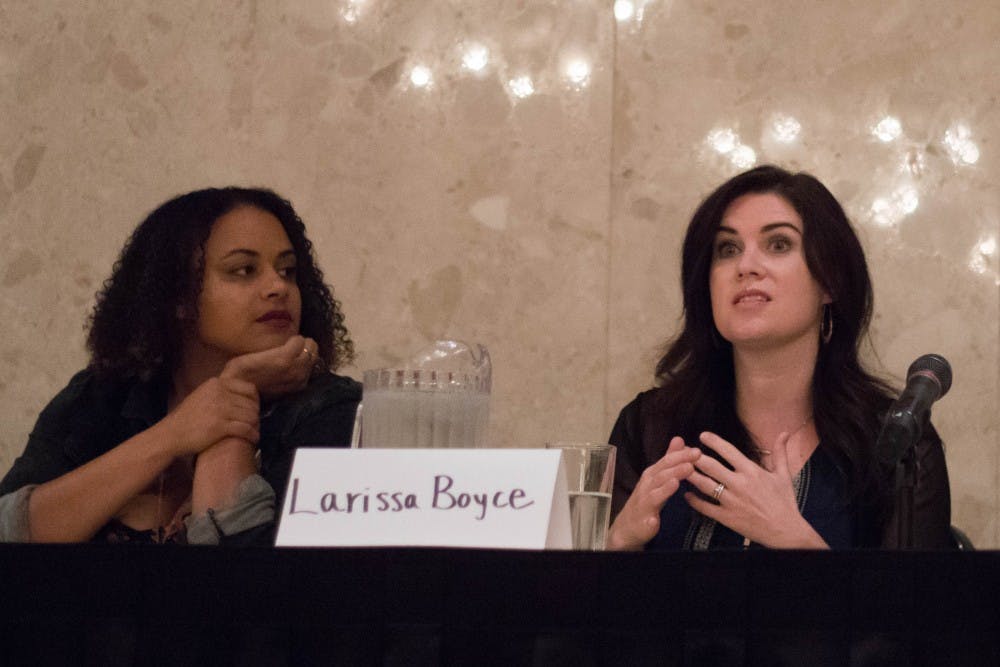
826 328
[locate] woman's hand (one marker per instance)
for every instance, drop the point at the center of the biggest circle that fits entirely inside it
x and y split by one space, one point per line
277 371
756 502
219 408
639 520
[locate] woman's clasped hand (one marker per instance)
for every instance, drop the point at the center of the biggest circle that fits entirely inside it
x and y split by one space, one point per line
229 405
639 519
277 371
220 407
755 500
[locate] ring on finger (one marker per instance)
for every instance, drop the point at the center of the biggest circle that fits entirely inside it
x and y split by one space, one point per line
717 493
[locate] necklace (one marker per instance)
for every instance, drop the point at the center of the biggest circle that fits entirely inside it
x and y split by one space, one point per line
767 452
796 481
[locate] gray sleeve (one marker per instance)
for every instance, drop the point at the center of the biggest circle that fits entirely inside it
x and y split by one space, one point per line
254 507
14 525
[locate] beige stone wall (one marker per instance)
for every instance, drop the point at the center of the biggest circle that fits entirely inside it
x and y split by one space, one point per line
527 189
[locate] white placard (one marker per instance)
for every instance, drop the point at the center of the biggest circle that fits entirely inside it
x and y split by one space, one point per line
494 498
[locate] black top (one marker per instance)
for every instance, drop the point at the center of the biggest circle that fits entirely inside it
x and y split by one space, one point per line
643 432
90 417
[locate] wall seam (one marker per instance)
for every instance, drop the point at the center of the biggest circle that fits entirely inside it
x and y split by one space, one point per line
609 273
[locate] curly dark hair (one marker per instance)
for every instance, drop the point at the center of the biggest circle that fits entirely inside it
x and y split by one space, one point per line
698 364
135 330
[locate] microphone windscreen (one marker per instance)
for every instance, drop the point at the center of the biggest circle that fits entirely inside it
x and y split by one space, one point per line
935 365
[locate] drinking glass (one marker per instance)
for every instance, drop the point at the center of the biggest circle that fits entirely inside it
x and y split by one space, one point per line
590 474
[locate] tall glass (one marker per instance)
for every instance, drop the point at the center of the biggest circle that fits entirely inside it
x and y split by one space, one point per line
590 475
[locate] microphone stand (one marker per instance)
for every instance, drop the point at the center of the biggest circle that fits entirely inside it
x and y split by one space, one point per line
897 448
906 481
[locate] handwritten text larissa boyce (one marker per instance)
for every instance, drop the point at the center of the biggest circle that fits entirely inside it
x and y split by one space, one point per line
443 497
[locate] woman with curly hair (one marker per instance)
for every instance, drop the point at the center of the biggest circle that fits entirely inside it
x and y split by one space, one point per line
212 350
762 432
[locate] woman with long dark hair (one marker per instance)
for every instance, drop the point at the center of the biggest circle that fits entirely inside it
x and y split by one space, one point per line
212 350
762 430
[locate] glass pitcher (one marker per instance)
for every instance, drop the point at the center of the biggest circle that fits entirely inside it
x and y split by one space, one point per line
441 398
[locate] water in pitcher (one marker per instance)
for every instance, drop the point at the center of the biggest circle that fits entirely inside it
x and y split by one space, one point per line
442 399
394 418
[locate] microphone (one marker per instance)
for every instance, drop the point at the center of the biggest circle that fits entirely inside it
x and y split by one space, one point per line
927 380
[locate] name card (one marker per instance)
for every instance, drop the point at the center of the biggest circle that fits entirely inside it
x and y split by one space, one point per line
491 498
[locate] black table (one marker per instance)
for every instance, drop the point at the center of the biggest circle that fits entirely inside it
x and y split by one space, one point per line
109 605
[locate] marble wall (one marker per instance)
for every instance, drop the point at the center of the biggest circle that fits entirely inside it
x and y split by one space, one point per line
513 172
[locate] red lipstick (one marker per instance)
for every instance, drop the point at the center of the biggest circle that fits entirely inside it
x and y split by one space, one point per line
277 316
